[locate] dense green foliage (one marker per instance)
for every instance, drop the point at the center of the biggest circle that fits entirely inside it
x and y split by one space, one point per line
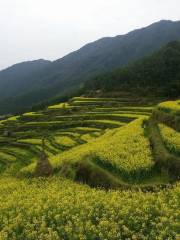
158 74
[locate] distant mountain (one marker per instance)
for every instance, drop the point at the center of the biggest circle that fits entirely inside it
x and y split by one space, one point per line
155 75
18 78
71 71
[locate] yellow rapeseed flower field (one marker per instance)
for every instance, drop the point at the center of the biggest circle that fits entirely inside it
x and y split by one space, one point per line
170 106
171 138
53 209
126 149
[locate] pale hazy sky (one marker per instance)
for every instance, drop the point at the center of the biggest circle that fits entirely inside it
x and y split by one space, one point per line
33 29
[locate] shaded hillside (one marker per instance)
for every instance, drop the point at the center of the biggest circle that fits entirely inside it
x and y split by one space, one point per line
69 72
16 79
158 74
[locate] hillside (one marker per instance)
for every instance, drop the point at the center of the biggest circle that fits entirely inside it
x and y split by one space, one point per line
90 133
157 74
68 73
16 79
94 145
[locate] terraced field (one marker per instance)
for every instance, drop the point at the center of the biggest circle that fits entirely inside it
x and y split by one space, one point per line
168 113
117 146
64 126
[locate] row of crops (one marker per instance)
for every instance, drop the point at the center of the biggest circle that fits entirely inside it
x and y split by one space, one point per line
171 138
125 151
108 139
64 126
168 113
82 129
170 107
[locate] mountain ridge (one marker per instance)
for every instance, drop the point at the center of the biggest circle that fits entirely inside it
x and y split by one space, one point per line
71 71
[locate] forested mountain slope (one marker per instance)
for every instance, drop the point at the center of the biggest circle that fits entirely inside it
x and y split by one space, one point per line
17 78
157 74
69 72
